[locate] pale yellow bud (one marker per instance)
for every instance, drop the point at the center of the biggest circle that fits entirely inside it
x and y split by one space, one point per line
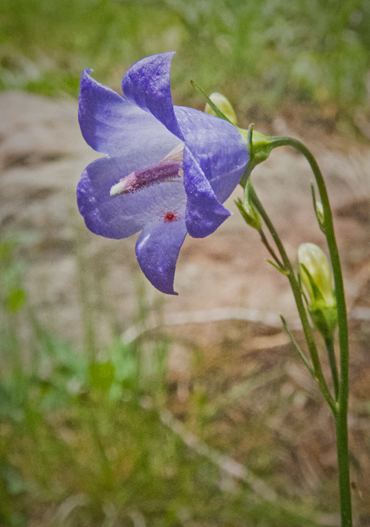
222 104
316 276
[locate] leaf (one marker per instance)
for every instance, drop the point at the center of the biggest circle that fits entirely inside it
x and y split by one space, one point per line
277 267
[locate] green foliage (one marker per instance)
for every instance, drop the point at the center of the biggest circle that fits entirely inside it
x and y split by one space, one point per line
11 294
83 440
101 375
256 52
110 454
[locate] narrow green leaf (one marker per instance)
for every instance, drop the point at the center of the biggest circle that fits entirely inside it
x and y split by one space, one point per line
277 267
297 347
212 104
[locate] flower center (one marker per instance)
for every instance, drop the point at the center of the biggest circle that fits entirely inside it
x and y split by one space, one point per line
168 170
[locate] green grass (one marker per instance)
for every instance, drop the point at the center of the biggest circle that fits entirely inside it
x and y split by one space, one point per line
92 434
84 441
262 53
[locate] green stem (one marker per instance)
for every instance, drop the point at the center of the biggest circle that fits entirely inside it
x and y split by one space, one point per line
343 469
341 408
270 249
329 342
319 376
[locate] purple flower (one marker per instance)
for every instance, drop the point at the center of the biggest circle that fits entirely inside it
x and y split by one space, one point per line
167 169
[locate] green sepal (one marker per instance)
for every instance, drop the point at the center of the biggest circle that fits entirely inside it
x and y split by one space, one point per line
324 318
260 145
248 210
317 295
319 211
277 267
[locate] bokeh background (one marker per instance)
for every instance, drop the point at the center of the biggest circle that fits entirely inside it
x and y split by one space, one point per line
122 407
262 53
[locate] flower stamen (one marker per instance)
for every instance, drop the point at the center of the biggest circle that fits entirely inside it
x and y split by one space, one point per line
169 170
176 154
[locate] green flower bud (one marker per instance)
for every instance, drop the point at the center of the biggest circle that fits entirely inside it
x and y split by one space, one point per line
249 213
315 272
319 209
325 320
316 276
260 145
222 104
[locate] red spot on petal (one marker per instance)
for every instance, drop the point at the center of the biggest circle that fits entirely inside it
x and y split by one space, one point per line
171 215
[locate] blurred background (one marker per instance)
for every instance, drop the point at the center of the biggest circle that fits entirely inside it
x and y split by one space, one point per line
262 54
120 406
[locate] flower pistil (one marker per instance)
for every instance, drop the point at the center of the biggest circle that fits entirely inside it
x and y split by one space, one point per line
169 170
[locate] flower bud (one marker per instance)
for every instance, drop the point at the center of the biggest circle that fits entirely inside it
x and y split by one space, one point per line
315 273
319 209
249 213
316 276
260 145
222 104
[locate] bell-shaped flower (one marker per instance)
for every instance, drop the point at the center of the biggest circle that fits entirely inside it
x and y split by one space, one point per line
167 168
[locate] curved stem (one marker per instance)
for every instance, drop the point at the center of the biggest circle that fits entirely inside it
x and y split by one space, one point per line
342 403
334 256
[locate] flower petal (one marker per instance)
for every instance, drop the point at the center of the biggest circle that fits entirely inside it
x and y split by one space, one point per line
157 250
124 215
147 84
113 125
219 148
204 213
